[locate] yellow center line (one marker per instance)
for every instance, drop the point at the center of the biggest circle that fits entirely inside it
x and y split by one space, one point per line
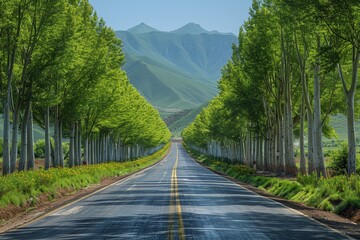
175 209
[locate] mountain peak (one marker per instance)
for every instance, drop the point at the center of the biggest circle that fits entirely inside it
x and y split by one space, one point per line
142 28
191 28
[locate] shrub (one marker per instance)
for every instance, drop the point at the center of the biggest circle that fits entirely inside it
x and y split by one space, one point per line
339 161
39 148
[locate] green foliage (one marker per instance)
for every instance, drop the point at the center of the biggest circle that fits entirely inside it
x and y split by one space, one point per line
23 187
339 162
39 149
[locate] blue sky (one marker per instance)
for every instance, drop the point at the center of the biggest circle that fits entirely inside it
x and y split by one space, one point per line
166 15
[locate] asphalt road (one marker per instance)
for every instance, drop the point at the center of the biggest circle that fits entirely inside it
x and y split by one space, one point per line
176 199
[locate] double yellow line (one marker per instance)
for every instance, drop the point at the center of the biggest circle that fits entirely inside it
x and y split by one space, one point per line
175 206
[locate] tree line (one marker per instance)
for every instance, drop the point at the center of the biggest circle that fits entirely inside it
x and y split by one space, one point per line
296 64
60 67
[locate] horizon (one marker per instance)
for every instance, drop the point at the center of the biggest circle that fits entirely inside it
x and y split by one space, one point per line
213 15
172 30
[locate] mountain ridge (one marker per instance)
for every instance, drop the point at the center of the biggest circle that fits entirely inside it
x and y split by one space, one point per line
176 69
189 28
142 28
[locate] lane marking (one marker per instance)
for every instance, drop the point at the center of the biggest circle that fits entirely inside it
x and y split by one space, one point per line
175 205
70 211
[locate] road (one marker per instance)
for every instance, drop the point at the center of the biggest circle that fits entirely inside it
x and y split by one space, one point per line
175 199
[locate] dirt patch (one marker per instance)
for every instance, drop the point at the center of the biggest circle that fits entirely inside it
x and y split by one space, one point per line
353 214
342 224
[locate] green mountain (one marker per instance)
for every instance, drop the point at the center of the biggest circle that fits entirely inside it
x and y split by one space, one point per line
179 121
177 69
142 28
190 28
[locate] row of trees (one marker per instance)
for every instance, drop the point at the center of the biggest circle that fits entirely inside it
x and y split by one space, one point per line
296 64
60 67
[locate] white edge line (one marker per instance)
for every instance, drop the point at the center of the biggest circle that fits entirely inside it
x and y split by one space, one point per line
296 211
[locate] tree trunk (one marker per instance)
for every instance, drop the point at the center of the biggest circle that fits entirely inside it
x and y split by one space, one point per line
30 146
11 55
291 161
281 138
302 145
47 139
350 96
311 161
56 137
351 134
92 151
23 149
6 134
306 100
86 150
76 159
72 145
61 151
318 153
351 113
79 144
14 140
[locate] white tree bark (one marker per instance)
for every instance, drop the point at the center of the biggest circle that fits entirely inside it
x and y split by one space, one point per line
317 131
47 139
6 134
23 148
350 96
302 142
14 140
56 137
72 146
30 146
61 150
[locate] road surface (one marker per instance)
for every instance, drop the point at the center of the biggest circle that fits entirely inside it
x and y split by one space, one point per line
176 199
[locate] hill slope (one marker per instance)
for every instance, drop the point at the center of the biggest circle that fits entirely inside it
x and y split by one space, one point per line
177 69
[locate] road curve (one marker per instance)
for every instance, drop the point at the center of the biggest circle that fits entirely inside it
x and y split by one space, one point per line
176 199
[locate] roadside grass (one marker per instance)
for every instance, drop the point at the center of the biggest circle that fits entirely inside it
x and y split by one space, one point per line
25 187
338 194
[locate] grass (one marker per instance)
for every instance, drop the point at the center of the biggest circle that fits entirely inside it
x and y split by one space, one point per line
21 188
336 194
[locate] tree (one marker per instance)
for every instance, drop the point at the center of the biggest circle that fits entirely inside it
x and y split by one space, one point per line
342 20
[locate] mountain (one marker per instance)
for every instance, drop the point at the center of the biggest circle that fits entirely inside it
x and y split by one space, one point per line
190 28
167 87
193 28
142 28
177 69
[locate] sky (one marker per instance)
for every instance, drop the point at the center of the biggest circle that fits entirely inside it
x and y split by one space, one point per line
225 16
